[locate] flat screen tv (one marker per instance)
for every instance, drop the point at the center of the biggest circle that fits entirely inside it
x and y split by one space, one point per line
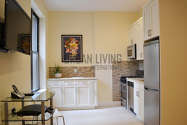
2 37
18 33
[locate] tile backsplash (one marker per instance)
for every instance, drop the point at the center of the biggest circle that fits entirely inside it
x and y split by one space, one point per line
73 71
141 65
125 68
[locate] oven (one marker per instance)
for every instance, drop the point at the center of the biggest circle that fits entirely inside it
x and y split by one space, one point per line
127 90
131 96
124 92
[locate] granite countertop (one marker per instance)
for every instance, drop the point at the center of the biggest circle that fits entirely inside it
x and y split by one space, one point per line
136 80
73 78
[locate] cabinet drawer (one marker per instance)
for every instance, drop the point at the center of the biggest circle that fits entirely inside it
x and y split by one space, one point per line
69 84
55 83
82 83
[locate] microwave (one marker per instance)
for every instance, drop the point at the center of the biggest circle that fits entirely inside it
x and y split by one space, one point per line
131 51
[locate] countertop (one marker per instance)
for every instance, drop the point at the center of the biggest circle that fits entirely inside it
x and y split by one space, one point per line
72 78
136 80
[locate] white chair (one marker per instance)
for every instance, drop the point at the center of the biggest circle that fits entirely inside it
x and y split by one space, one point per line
56 117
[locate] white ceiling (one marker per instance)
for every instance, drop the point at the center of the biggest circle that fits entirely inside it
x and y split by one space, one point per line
95 5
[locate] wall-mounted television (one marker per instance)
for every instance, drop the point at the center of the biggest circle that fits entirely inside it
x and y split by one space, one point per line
18 28
2 37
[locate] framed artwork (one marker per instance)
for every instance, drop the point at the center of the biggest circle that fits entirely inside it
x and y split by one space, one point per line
24 43
72 50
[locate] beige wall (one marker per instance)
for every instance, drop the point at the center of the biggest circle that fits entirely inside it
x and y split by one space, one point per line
15 67
111 32
68 23
103 32
173 19
2 2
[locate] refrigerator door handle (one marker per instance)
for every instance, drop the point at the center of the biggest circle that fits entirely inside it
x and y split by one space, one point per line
149 89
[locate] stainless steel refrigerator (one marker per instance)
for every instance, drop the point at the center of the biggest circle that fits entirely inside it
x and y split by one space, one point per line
152 82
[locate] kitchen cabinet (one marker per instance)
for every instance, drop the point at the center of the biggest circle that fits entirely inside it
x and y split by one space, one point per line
151 19
74 93
139 99
136 37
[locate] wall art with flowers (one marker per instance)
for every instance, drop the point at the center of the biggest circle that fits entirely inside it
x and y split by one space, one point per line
72 50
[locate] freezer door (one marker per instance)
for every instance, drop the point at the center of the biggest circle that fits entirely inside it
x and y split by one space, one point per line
151 108
151 65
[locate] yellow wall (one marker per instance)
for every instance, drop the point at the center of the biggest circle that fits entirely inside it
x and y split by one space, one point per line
103 32
15 67
111 32
173 26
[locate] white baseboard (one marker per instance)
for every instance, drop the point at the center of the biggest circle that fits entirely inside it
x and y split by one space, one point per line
100 105
109 104
77 108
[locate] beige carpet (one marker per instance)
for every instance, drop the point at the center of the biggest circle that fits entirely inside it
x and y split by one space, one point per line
108 116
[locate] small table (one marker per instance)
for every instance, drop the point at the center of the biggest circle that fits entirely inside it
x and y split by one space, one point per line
41 97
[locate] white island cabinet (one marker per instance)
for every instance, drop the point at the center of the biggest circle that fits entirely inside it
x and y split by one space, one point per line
74 93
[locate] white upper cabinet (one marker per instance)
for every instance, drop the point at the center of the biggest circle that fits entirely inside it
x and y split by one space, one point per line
151 19
136 37
140 40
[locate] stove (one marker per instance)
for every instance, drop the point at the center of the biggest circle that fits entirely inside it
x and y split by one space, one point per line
126 89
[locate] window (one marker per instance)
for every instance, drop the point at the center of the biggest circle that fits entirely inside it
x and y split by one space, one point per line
35 53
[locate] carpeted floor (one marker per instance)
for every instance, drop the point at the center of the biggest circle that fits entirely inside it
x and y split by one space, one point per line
107 116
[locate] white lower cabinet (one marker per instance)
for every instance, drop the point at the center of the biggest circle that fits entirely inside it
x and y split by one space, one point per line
74 94
139 100
68 96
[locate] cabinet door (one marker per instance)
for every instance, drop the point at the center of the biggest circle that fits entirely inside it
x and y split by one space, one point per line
69 94
132 35
56 88
155 18
83 93
141 109
57 99
147 21
139 100
86 93
151 20
136 101
140 40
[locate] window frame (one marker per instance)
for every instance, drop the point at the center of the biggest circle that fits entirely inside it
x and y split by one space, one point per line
38 23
